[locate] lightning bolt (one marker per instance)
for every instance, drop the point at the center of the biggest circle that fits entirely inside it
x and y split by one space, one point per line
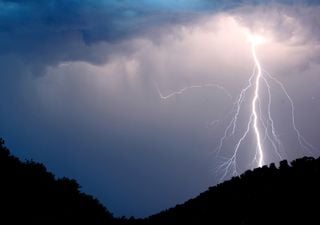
258 124
254 114
263 127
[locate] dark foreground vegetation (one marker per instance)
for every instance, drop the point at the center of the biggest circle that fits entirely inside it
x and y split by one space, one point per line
290 194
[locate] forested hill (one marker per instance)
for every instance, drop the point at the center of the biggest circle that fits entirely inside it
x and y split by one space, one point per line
290 194
31 195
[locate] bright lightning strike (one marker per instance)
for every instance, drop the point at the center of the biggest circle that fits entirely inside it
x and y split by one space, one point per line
255 40
257 123
260 123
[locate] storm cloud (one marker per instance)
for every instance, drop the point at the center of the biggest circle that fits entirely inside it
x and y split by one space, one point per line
45 33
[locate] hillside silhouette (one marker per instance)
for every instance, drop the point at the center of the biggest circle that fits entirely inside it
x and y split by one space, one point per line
288 194
29 194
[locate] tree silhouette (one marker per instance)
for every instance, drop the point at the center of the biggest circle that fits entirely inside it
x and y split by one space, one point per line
29 194
267 195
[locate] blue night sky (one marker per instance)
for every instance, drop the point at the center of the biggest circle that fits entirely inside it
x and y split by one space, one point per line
133 98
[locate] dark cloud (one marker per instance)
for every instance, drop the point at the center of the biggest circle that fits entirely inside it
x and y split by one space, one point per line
45 33
48 32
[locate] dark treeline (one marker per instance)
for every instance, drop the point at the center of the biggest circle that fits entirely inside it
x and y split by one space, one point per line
290 194
29 194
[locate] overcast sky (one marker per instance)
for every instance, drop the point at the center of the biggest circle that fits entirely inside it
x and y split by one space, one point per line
87 88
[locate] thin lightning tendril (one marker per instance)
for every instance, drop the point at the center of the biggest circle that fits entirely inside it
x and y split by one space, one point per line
181 91
302 141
